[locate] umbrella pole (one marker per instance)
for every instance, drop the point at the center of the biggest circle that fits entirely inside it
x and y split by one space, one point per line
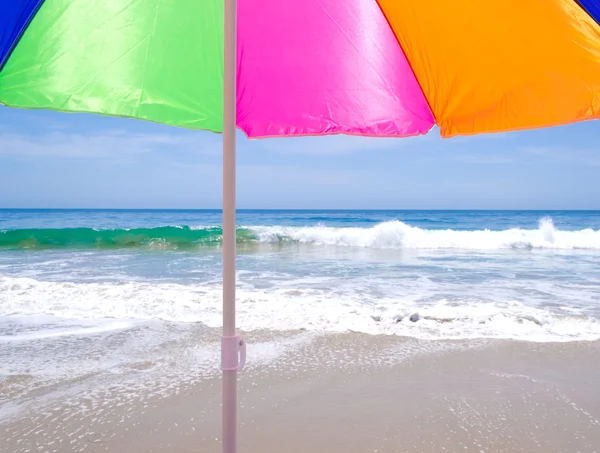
232 347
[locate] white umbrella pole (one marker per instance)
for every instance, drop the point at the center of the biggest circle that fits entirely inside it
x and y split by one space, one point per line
232 347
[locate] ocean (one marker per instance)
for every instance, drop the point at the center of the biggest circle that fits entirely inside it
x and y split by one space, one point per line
531 276
93 297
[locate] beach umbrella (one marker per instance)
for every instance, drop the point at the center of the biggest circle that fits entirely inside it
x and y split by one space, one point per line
310 67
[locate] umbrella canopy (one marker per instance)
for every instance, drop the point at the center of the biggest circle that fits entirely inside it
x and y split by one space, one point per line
310 67
313 67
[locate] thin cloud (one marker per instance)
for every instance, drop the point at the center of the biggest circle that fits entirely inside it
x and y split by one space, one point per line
111 143
489 136
335 144
545 151
266 175
563 154
484 160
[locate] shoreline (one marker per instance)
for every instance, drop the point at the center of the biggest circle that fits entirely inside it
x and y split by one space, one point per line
336 393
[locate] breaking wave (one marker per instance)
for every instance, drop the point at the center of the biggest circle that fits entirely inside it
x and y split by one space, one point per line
390 235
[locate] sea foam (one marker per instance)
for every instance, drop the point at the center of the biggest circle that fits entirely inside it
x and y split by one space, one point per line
396 235
286 309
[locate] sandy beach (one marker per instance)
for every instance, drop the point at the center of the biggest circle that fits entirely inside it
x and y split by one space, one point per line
335 393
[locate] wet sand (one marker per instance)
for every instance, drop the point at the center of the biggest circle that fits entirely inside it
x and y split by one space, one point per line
337 393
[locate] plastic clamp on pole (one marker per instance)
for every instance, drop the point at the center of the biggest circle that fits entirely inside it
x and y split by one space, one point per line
233 353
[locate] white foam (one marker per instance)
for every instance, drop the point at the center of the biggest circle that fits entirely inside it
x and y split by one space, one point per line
65 332
396 234
285 309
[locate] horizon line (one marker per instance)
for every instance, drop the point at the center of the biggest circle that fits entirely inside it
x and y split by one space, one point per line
301 209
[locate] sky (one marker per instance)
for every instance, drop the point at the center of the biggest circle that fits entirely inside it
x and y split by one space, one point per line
60 160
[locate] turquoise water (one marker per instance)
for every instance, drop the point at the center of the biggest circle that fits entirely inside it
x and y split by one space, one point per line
529 276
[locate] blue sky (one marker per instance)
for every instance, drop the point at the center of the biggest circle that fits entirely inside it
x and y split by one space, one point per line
57 160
